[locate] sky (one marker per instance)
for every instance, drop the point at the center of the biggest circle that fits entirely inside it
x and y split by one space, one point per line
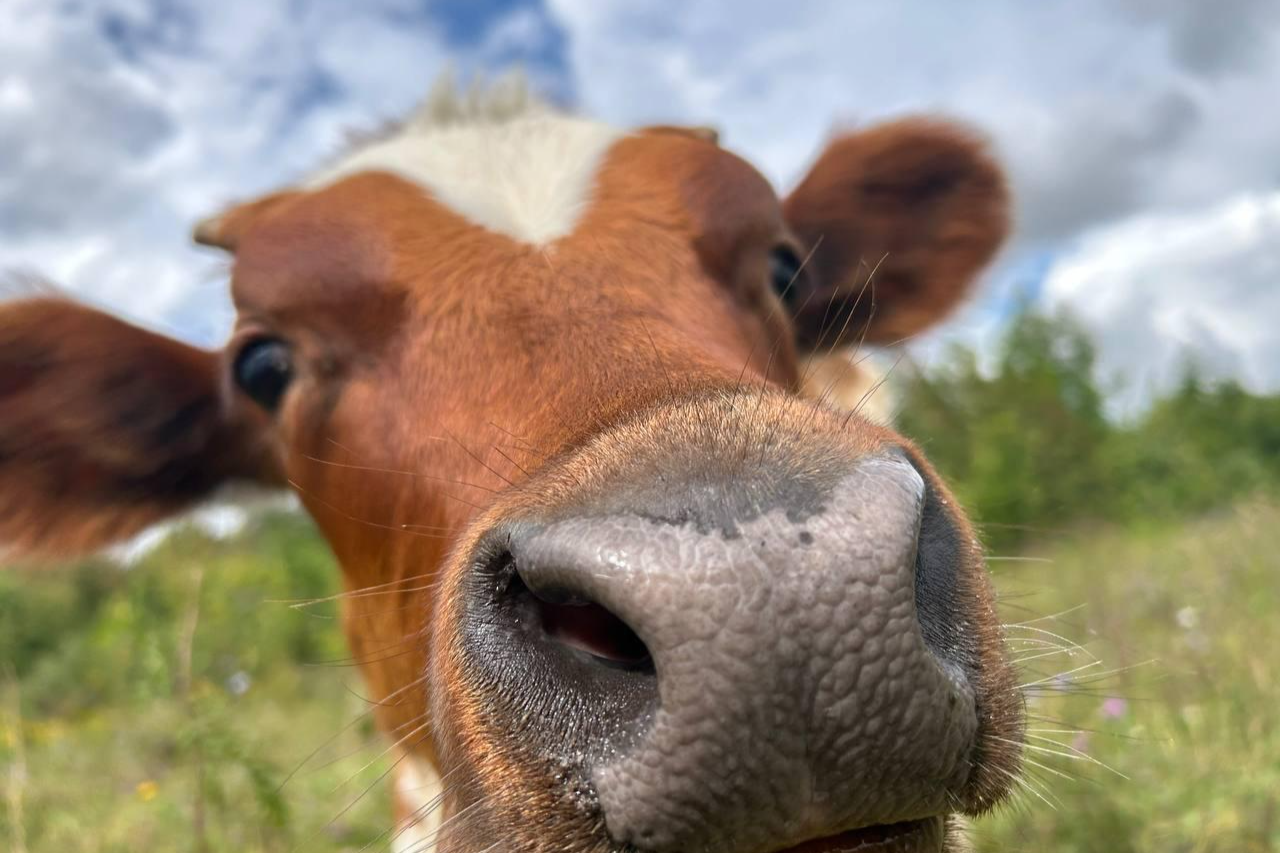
1142 136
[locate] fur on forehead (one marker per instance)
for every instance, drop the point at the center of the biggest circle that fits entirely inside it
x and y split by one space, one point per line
498 156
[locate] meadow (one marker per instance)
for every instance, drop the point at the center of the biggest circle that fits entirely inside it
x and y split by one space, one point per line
181 704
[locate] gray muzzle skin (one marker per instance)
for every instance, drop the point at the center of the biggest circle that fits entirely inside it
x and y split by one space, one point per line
792 693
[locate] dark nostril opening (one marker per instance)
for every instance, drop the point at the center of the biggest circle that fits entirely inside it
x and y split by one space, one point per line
568 619
594 630
939 600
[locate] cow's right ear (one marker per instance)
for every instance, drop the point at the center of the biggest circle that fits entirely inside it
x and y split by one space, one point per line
226 229
900 219
106 429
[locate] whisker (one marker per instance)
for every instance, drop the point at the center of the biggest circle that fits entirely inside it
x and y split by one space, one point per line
671 388
381 703
347 727
1046 768
1071 754
1060 675
362 592
1058 637
1037 656
1094 677
349 517
1086 730
349 806
1027 785
349 662
399 828
522 443
398 471
866 285
871 283
518 466
434 836
849 363
866 397
476 457
341 758
822 337
399 741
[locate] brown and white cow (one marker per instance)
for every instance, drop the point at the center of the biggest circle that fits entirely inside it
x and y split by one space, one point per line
616 583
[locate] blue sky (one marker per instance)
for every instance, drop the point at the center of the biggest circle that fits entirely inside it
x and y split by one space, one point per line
1141 134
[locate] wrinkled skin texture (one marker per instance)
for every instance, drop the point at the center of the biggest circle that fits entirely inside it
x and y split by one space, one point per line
845 712
843 662
474 421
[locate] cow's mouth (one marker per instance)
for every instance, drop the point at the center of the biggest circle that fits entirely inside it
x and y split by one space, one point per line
914 836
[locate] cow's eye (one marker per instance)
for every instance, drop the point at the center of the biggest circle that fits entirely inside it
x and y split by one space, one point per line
263 370
785 269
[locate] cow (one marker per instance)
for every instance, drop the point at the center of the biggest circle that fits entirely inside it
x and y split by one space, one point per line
583 415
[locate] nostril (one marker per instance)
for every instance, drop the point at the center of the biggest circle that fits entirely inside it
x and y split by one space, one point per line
568 619
537 634
593 629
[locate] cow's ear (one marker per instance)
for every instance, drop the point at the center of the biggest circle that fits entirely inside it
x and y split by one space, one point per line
106 429
226 229
900 219
701 132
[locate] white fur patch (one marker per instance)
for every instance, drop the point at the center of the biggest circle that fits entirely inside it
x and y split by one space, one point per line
848 380
418 790
529 177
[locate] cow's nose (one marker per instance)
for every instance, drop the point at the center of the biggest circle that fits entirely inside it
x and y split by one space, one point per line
748 669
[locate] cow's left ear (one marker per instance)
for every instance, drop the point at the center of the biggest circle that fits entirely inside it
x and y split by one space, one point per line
106 428
900 219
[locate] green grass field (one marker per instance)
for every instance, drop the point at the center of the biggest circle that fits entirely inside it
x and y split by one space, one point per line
1188 723
177 706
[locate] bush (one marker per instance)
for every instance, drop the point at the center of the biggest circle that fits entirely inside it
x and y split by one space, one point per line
1028 446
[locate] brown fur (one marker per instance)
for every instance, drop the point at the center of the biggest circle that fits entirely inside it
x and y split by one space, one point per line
446 376
903 216
87 456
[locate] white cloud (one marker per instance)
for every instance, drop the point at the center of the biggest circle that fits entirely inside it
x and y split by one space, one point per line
126 120
1158 287
1109 115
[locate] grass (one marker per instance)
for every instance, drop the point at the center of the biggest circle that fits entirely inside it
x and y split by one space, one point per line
170 706
182 708
133 779
1186 724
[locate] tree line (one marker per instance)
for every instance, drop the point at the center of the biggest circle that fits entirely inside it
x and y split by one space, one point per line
1028 447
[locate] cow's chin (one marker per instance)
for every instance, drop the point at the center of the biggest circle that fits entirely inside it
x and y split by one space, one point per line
927 835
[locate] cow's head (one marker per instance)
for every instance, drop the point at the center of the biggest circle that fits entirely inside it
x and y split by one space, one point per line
615 583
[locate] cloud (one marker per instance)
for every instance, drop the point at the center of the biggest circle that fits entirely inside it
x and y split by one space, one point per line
1068 180
1109 115
1211 39
1159 288
1093 110
127 120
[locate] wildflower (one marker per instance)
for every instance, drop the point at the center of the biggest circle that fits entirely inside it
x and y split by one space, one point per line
147 790
238 684
1080 743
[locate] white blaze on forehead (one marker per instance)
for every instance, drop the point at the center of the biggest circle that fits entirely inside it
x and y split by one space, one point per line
529 177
